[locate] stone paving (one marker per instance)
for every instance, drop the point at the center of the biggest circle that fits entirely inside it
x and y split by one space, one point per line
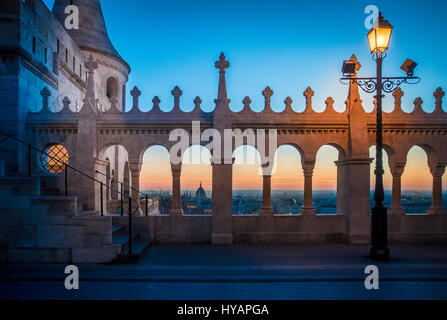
242 272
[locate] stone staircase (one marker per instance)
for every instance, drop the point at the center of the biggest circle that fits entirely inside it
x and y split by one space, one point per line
48 228
120 236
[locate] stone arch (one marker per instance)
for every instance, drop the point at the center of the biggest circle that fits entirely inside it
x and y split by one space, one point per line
287 181
146 147
111 87
412 184
156 175
326 179
103 149
297 147
117 156
246 199
429 151
196 180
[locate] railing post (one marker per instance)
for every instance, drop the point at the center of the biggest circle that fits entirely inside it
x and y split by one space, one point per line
146 206
122 199
29 160
66 181
130 226
102 203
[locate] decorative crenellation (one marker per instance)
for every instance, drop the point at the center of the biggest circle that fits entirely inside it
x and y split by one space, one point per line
222 64
176 93
135 93
197 102
156 103
329 104
246 102
397 94
288 102
438 94
308 93
267 93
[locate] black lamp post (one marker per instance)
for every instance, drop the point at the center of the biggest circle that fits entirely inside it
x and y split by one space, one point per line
379 38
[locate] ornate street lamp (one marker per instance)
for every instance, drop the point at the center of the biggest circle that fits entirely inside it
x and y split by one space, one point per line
379 39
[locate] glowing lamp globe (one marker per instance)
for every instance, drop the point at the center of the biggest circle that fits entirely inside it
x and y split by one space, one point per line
379 36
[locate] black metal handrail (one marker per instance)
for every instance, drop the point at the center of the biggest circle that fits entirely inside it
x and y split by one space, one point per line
130 188
67 166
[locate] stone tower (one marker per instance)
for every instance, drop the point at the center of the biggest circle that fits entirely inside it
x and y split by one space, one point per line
92 38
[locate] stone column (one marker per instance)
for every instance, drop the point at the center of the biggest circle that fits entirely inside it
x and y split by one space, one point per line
222 196
358 215
176 208
341 186
135 169
437 172
397 170
308 169
266 208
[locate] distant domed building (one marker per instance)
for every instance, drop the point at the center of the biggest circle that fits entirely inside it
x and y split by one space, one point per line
200 198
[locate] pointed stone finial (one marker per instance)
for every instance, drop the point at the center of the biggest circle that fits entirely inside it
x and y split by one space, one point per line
66 102
357 64
398 94
135 93
418 103
246 102
288 102
156 102
176 92
353 102
308 93
267 93
329 103
197 102
438 94
91 65
45 93
222 64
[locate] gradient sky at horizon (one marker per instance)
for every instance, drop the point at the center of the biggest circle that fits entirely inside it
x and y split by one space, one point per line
285 44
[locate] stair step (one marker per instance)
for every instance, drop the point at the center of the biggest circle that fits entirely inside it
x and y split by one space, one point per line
139 248
87 213
21 185
57 205
116 229
50 192
123 239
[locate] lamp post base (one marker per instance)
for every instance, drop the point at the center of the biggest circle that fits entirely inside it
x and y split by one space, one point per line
379 234
379 254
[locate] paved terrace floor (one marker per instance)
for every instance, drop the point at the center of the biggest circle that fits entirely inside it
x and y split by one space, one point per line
334 271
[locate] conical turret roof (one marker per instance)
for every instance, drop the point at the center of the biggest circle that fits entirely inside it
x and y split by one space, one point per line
92 33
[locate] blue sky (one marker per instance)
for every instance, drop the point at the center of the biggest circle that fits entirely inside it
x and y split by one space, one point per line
287 45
